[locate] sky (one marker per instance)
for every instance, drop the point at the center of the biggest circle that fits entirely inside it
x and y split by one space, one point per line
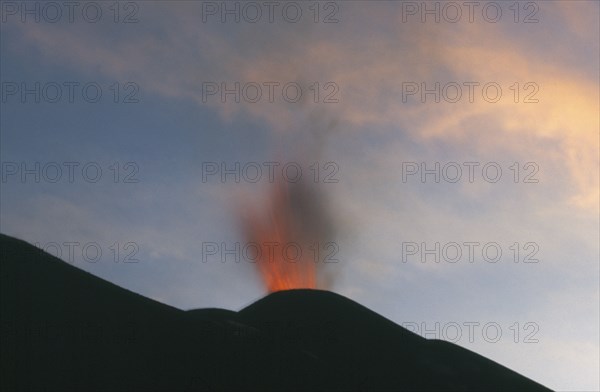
455 144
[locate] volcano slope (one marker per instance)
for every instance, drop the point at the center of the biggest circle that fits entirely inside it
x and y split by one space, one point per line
65 329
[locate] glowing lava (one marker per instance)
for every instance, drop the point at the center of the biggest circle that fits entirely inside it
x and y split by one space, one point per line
283 251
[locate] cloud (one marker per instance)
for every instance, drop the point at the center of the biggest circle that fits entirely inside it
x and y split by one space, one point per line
177 54
370 132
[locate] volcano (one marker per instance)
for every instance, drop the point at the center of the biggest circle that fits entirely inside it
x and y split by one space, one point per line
65 329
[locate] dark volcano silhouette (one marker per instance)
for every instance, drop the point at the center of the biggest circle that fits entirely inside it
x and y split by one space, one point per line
65 329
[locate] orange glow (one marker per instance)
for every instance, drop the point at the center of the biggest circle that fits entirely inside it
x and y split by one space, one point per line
284 257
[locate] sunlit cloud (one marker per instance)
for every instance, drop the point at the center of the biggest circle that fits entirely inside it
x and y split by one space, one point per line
372 129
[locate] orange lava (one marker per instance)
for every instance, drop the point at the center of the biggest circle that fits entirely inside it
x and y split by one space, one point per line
284 257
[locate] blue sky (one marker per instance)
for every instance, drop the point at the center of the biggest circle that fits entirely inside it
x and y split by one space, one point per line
369 55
